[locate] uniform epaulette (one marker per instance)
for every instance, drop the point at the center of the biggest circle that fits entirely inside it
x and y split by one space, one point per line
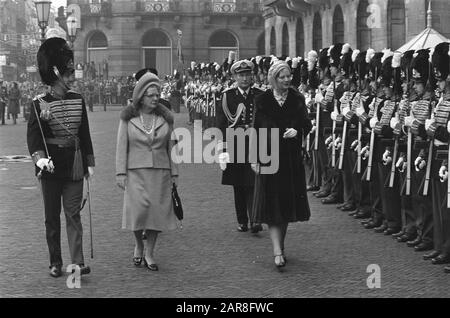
227 89
39 96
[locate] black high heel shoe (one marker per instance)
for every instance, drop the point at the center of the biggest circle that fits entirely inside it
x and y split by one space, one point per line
152 267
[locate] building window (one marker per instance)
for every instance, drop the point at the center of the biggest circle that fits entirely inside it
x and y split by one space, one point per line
317 32
97 54
261 44
285 41
273 41
396 24
362 29
220 44
300 38
157 52
338 25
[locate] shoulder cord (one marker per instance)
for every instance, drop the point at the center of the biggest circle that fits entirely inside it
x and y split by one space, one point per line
231 118
40 128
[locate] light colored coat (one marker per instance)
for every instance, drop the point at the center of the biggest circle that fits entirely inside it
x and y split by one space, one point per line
136 149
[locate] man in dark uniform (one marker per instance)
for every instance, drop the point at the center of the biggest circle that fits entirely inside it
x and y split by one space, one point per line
3 100
236 111
60 144
331 103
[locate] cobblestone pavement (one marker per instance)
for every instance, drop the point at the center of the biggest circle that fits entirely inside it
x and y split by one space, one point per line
328 256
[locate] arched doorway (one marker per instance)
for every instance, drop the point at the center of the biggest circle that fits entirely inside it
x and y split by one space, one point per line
396 24
317 32
338 25
157 52
285 41
273 41
97 54
261 45
300 38
220 44
362 28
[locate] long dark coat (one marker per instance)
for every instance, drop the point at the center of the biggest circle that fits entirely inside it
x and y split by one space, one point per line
14 105
281 197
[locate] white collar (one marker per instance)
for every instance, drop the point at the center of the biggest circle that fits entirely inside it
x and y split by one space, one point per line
242 91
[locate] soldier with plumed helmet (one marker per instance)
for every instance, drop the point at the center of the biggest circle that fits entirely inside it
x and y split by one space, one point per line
60 144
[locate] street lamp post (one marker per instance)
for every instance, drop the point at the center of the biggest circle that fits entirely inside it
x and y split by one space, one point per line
43 12
72 25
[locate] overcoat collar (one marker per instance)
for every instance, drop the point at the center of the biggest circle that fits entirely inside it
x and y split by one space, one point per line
136 121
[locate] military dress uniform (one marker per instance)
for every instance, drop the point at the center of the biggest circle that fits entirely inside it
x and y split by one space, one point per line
63 137
420 112
437 130
334 92
237 173
371 112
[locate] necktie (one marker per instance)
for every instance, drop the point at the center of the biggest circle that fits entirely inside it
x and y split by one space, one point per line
245 95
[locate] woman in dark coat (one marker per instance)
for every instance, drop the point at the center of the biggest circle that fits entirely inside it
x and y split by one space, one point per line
280 197
14 105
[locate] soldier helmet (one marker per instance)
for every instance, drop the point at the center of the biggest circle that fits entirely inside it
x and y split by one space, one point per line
143 71
54 58
375 66
386 68
346 63
334 54
441 61
405 65
420 66
323 59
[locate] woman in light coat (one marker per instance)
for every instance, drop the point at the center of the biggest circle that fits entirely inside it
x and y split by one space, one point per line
144 168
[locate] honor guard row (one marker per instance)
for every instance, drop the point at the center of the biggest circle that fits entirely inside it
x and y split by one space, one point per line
379 146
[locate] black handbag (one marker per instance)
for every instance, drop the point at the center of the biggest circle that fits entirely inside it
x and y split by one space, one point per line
177 207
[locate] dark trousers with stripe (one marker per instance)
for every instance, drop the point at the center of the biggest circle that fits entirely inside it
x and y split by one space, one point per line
243 201
422 206
71 193
390 198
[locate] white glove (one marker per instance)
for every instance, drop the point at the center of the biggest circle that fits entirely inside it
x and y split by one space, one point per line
419 163
337 143
90 173
224 158
365 152
360 111
307 100
448 126
428 123
328 141
373 121
45 164
443 174
394 122
290 133
319 97
400 163
408 121
354 145
255 167
333 115
387 159
313 129
345 110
